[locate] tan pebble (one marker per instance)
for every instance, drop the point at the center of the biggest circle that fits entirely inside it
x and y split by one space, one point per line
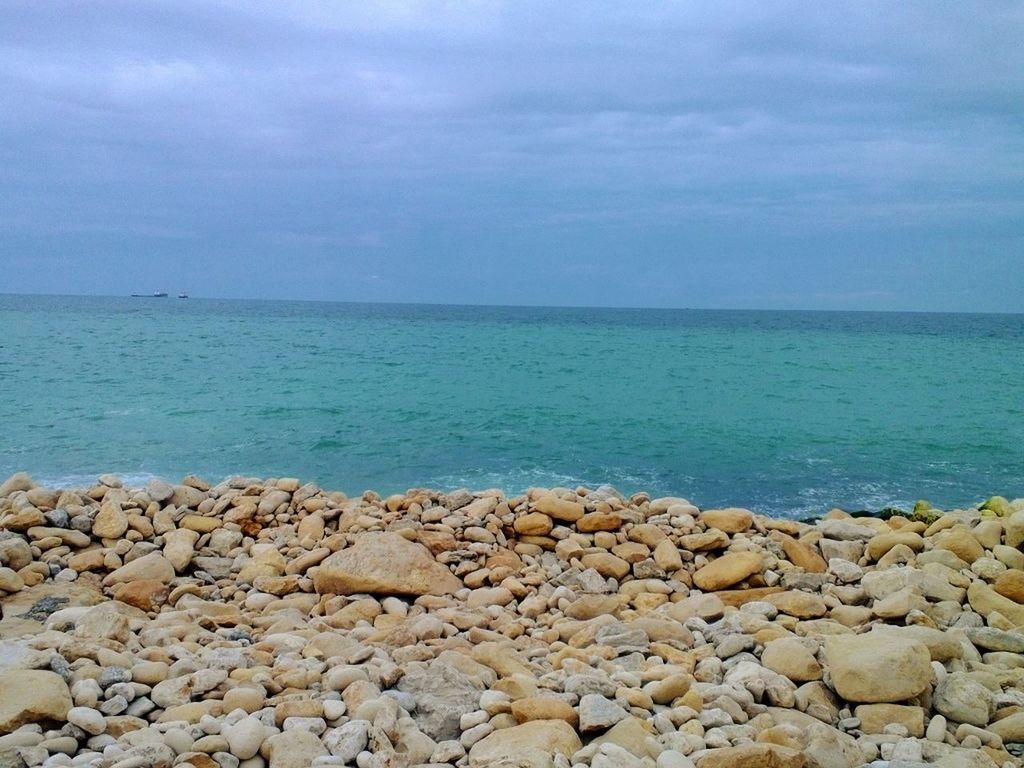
151 566
693 700
149 672
727 570
110 522
671 688
783 735
704 542
249 698
960 542
851 615
533 524
802 605
631 551
646 533
606 564
31 577
879 545
543 708
792 658
559 509
730 520
667 556
10 581
1010 584
875 717
802 555
749 755
298 708
90 560
200 523
144 594
597 521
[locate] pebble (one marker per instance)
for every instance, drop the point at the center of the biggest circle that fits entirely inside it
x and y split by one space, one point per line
657 634
89 720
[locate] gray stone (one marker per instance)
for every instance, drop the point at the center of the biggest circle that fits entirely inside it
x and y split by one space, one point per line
622 637
89 720
443 694
809 582
841 530
16 655
842 550
581 685
158 490
964 700
996 639
598 713
58 518
149 755
113 675
217 567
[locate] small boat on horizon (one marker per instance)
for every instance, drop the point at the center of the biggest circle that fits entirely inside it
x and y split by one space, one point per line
149 295
182 295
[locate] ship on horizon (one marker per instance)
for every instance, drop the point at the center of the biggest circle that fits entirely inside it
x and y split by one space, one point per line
149 295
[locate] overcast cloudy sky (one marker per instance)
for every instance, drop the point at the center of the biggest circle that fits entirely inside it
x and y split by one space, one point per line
736 154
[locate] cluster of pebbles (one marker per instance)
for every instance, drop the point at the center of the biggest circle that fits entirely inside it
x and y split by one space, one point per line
269 623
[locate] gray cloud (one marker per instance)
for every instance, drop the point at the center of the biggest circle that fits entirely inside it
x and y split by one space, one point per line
855 154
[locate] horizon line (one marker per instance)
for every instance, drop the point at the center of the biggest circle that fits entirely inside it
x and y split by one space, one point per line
190 297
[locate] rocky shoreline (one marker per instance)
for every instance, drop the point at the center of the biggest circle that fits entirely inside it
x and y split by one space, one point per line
266 622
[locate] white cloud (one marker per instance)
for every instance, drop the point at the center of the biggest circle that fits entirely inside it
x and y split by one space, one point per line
439 122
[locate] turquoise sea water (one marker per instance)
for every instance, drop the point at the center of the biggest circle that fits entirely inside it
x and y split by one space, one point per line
785 412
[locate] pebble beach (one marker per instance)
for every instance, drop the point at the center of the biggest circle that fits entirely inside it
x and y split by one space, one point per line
269 623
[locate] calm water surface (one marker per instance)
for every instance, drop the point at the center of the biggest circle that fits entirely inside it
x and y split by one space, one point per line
785 412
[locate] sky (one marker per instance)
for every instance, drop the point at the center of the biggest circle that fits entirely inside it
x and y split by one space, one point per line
840 155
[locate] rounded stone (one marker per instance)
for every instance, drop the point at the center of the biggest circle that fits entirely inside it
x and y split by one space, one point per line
877 667
245 737
88 719
963 699
727 570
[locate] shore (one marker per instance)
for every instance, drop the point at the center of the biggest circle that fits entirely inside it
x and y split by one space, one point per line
268 622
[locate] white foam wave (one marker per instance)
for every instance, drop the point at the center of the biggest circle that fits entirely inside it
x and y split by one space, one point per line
77 481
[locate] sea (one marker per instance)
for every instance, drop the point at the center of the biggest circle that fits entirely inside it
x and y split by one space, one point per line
787 413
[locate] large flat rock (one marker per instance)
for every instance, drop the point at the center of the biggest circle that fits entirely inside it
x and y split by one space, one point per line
25 612
878 667
384 564
32 695
533 743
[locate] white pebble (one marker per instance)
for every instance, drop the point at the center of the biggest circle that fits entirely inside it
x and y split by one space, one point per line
89 720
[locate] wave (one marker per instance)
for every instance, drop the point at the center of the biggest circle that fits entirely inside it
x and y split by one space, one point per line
87 479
